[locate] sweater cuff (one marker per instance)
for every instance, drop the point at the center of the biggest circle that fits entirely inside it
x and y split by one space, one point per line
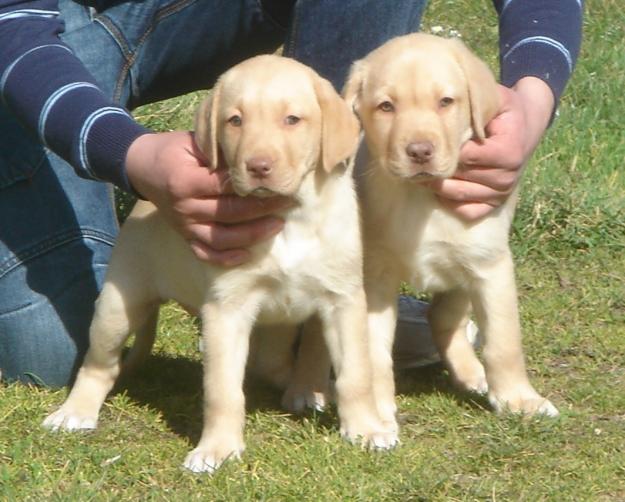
539 57
103 144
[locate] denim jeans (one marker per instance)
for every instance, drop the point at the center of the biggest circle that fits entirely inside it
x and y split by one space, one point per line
56 229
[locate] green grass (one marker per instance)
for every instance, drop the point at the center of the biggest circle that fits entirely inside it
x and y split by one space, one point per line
569 241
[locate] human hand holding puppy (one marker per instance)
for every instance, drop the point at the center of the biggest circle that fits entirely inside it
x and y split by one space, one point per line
169 170
490 171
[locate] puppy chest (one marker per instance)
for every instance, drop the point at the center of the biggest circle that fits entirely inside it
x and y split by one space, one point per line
436 268
442 265
292 299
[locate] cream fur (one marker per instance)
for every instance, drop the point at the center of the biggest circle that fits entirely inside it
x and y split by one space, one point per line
313 267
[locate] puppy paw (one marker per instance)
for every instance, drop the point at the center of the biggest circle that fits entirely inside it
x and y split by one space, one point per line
525 401
472 382
298 401
371 434
208 457
387 410
384 440
372 440
70 420
468 376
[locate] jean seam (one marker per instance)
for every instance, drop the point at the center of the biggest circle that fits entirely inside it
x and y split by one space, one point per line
291 45
116 34
130 57
48 245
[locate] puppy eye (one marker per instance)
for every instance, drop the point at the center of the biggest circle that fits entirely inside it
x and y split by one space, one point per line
235 121
386 106
291 120
446 101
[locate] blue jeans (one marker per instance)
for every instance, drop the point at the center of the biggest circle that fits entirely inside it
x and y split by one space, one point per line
56 229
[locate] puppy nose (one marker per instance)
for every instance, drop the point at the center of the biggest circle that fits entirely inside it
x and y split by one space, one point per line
259 167
420 151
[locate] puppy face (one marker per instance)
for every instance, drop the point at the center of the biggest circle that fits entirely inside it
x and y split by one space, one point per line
274 120
420 98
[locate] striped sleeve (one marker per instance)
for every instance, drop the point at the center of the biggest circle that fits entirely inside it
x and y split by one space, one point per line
51 92
539 38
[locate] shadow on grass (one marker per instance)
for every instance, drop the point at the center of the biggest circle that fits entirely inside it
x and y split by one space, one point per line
173 387
435 378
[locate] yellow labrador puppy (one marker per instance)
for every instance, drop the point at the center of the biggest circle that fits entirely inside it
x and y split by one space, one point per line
419 98
282 130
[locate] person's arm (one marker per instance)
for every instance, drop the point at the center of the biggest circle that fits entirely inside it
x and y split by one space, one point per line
51 92
539 45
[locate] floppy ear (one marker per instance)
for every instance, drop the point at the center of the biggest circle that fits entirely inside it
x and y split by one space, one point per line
206 126
353 87
483 93
339 127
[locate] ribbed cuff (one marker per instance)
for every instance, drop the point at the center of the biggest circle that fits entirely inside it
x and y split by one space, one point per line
102 149
537 59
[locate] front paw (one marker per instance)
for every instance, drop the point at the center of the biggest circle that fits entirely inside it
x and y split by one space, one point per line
371 434
210 454
68 419
387 410
525 400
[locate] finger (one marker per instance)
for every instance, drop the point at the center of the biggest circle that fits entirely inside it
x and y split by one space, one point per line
239 236
202 158
501 151
200 182
500 180
229 209
228 258
503 146
468 211
465 191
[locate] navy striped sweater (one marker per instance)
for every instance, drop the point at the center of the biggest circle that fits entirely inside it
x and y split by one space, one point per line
51 92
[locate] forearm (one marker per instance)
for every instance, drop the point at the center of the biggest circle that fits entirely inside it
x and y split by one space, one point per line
539 38
537 102
51 92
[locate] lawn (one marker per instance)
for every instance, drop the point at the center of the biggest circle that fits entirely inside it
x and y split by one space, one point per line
569 243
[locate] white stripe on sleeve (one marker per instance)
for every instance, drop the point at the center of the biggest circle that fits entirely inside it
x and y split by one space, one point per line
543 40
51 101
86 128
10 68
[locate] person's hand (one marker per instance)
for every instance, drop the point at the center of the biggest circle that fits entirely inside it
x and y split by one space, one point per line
489 171
170 171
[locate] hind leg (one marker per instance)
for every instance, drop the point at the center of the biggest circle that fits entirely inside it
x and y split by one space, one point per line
448 318
114 319
310 381
272 353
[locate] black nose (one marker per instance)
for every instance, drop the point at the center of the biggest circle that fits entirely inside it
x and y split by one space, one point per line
420 151
259 167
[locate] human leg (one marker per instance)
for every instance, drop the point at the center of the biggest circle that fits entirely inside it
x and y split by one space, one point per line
56 230
56 233
330 36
